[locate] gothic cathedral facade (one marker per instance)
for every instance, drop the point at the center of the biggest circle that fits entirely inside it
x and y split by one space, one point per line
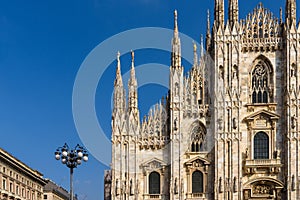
229 129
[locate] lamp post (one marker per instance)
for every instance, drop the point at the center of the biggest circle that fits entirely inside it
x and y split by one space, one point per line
71 158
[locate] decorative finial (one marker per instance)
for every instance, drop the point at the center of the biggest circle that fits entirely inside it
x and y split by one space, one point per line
132 56
195 46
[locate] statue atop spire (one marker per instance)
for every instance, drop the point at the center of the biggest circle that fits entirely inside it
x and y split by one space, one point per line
118 80
195 54
201 46
132 87
176 46
132 80
219 13
208 34
119 91
175 22
290 12
233 12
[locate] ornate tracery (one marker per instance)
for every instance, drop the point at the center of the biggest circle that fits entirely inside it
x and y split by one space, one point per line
198 137
261 83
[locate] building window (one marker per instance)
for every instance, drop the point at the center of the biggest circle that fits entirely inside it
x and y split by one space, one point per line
23 192
4 170
198 136
45 196
261 146
197 182
17 190
154 183
11 187
260 83
4 184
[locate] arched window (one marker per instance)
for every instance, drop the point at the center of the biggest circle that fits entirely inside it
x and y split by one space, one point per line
260 83
154 183
261 146
197 182
198 136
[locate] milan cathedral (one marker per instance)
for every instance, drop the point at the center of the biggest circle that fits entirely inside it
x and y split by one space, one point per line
227 130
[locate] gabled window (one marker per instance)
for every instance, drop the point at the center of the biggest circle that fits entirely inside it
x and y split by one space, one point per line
261 146
197 182
154 183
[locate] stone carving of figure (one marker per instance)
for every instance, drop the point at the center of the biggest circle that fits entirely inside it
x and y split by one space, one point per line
137 187
130 187
117 187
176 89
247 153
293 183
277 154
293 124
234 125
182 186
175 186
220 185
234 185
175 124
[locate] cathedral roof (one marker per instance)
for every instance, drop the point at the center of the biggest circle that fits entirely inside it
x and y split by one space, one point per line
261 23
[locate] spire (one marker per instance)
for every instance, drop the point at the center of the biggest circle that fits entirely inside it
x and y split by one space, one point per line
290 12
233 12
176 47
208 34
132 71
219 13
119 92
195 55
118 80
280 15
175 23
132 87
208 24
201 46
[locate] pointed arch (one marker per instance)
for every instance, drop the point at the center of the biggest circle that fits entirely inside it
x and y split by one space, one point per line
262 80
198 135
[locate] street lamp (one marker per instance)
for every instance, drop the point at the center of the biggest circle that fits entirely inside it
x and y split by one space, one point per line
71 158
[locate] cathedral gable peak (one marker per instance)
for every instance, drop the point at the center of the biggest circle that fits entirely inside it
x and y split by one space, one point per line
227 29
293 28
220 31
262 114
260 29
197 160
235 29
153 164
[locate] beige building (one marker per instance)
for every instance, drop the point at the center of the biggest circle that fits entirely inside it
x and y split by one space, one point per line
52 191
17 180
229 129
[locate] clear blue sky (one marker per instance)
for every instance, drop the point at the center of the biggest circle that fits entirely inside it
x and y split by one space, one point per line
42 46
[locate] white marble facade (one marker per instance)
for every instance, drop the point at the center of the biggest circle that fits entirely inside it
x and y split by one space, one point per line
227 130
